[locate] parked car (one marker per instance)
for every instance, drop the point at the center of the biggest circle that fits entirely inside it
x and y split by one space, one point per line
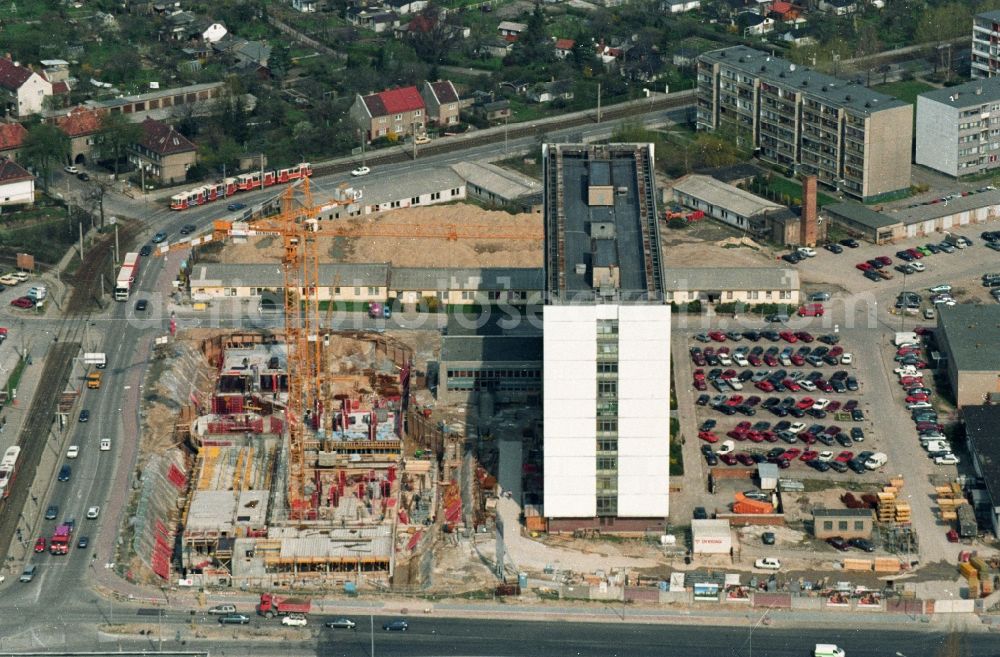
767 563
361 171
838 543
862 544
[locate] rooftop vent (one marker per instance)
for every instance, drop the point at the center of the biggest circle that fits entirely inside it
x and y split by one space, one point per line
847 97
805 83
762 68
824 87
781 75
979 91
791 67
580 269
868 104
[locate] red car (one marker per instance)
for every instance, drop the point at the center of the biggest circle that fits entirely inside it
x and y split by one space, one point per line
836 351
790 454
907 381
728 459
22 302
735 400
729 374
769 436
788 336
844 456
757 436
885 260
745 458
809 455
863 266
851 405
916 398
770 360
927 426
736 434
699 384
791 385
40 544
923 330
915 253
811 310
764 386
708 436
823 385
699 375
952 536
805 403
798 360
832 407
717 336
752 401
807 438
783 463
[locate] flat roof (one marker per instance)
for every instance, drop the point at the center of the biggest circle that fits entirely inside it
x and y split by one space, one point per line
222 510
334 542
243 358
711 527
715 192
856 513
730 278
570 169
972 333
973 201
504 183
826 89
215 274
860 214
970 94
990 15
492 348
403 185
982 428
496 322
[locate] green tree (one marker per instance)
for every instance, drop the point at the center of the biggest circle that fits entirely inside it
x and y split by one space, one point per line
115 137
533 46
45 146
944 22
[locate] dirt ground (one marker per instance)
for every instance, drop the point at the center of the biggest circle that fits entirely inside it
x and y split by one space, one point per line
712 244
393 237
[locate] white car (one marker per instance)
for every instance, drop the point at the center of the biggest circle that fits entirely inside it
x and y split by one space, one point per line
73 452
807 251
820 404
807 385
294 620
726 447
906 370
93 512
797 427
826 456
735 384
946 459
876 461
846 359
740 360
918 405
938 447
767 563
421 139
361 171
725 360
71 169
916 266
105 444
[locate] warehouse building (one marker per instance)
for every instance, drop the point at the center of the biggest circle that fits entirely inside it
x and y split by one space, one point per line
749 285
498 186
982 432
606 341
956 128
853 139
975 208
864 223
451 287
967 337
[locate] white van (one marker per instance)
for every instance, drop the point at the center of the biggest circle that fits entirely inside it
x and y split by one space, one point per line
37 293
827 650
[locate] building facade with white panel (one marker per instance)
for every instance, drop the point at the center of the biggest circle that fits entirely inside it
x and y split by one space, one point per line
606 342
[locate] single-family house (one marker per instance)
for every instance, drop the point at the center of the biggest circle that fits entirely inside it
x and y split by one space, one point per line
642 62
500 47
564 47
397 111
403 7
17 186
11 139
799 37
213 32
838 7
679 6
546 92
376 20
305 6
441 102
510 30
751 23
785 11
180 25
81 126
762 7
164 154
22 91
495 111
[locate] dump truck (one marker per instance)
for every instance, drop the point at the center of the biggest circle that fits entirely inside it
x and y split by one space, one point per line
275 605
967 526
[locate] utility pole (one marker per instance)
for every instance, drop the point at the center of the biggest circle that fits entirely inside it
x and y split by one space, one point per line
372 617
598 102
80 226
116 243
505 135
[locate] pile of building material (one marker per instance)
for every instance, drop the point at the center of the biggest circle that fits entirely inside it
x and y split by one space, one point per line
949 498
890 509
977 573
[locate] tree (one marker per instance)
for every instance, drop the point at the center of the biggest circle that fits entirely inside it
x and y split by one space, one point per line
44 146
115 137
533 46
431 36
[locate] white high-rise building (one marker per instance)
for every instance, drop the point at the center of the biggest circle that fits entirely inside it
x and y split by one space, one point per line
606 337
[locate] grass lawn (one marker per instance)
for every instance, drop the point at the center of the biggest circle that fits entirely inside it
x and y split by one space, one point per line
793 189
42 230
907 90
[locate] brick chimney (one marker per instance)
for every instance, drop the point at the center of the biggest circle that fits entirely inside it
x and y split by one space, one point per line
807 222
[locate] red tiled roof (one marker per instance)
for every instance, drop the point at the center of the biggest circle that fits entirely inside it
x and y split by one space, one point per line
60 88
79 122
163 139
445 91
421 23
12 136
781 7
394 101
11 171
11 75
565 44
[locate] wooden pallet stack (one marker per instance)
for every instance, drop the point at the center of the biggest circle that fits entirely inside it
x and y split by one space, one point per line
949 498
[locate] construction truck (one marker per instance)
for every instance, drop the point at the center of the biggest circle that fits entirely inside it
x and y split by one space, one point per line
94 380
967 526
275 605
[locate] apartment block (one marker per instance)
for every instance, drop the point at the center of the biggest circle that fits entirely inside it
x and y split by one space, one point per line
985 60
605 343
851 138
958 128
